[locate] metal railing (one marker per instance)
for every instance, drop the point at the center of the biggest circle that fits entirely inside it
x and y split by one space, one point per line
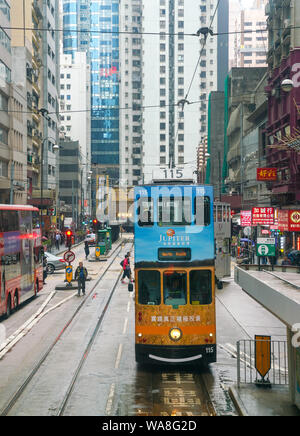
246 363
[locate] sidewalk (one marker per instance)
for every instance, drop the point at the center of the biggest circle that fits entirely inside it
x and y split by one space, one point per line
251 400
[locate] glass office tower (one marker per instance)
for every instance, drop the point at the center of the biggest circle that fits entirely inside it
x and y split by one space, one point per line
93 26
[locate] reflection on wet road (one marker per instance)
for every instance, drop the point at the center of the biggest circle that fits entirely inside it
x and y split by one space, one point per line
167 392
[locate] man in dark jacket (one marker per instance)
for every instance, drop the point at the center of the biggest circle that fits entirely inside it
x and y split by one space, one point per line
81 276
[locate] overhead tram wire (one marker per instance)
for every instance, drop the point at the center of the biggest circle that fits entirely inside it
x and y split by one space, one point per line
205 32
127 108
239 32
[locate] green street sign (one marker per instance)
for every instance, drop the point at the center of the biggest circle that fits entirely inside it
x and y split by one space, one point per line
266 247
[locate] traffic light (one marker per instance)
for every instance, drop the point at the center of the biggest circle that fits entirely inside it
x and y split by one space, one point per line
96 225
69 235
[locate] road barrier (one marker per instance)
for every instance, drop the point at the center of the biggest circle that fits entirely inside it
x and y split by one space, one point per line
262 362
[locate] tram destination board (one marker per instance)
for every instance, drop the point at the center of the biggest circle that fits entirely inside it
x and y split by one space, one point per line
174 254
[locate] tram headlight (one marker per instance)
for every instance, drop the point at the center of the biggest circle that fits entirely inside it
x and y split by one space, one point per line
175 334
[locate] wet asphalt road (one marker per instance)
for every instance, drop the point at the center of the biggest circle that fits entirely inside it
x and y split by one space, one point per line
110 383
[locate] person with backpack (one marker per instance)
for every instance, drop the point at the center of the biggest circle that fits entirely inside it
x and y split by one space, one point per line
81 276
126 268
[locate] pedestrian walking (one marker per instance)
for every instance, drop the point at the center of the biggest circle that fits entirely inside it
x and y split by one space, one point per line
81 276
126 268
57 240
86 249
45 274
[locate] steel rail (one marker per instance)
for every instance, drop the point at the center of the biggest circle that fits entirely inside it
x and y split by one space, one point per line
282 279
28 379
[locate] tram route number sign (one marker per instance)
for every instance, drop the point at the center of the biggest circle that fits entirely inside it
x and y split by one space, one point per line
266 247
69 256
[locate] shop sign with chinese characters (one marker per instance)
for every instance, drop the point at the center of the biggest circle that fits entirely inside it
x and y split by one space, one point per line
266 174
263 216
283 220
246 218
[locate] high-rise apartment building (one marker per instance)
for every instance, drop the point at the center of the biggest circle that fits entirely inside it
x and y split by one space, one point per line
50 90
35 47
75 118
172 131
130 92
248 38
5 83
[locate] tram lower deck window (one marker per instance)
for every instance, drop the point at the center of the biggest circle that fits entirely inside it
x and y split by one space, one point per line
175 288
149 287
200 287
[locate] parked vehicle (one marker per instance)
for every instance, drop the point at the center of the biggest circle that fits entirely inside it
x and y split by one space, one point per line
54 263
91 238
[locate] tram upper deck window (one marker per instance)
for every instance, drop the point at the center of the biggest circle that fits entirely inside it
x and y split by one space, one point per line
202 211
174 211
200 287
149 288
145 212
175 288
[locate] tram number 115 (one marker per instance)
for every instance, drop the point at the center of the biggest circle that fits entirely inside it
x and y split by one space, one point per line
173 174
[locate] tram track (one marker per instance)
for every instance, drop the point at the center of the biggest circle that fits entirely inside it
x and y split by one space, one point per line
18 393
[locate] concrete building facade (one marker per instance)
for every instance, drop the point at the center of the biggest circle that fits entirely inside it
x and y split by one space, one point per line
283 107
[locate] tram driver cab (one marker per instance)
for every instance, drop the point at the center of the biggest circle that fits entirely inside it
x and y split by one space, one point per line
175 289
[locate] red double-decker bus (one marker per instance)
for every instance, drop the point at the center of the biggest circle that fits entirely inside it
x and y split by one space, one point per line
21 270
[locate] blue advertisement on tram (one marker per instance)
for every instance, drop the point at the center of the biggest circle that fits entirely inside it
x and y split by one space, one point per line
174 223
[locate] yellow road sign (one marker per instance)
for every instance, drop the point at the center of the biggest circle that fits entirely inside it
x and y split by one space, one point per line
263 354
97 251
69 273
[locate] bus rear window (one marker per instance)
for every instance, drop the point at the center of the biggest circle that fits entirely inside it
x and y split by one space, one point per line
149 288
200 287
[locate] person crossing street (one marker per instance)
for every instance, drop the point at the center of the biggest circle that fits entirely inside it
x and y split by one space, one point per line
81 276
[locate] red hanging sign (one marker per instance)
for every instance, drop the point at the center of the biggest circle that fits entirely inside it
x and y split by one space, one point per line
266 174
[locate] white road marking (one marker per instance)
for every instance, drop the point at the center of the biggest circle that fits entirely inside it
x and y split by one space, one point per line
110 399
119 356
125 326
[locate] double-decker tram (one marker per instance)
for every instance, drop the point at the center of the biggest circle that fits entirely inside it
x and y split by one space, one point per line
175 320
21 271
222 220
